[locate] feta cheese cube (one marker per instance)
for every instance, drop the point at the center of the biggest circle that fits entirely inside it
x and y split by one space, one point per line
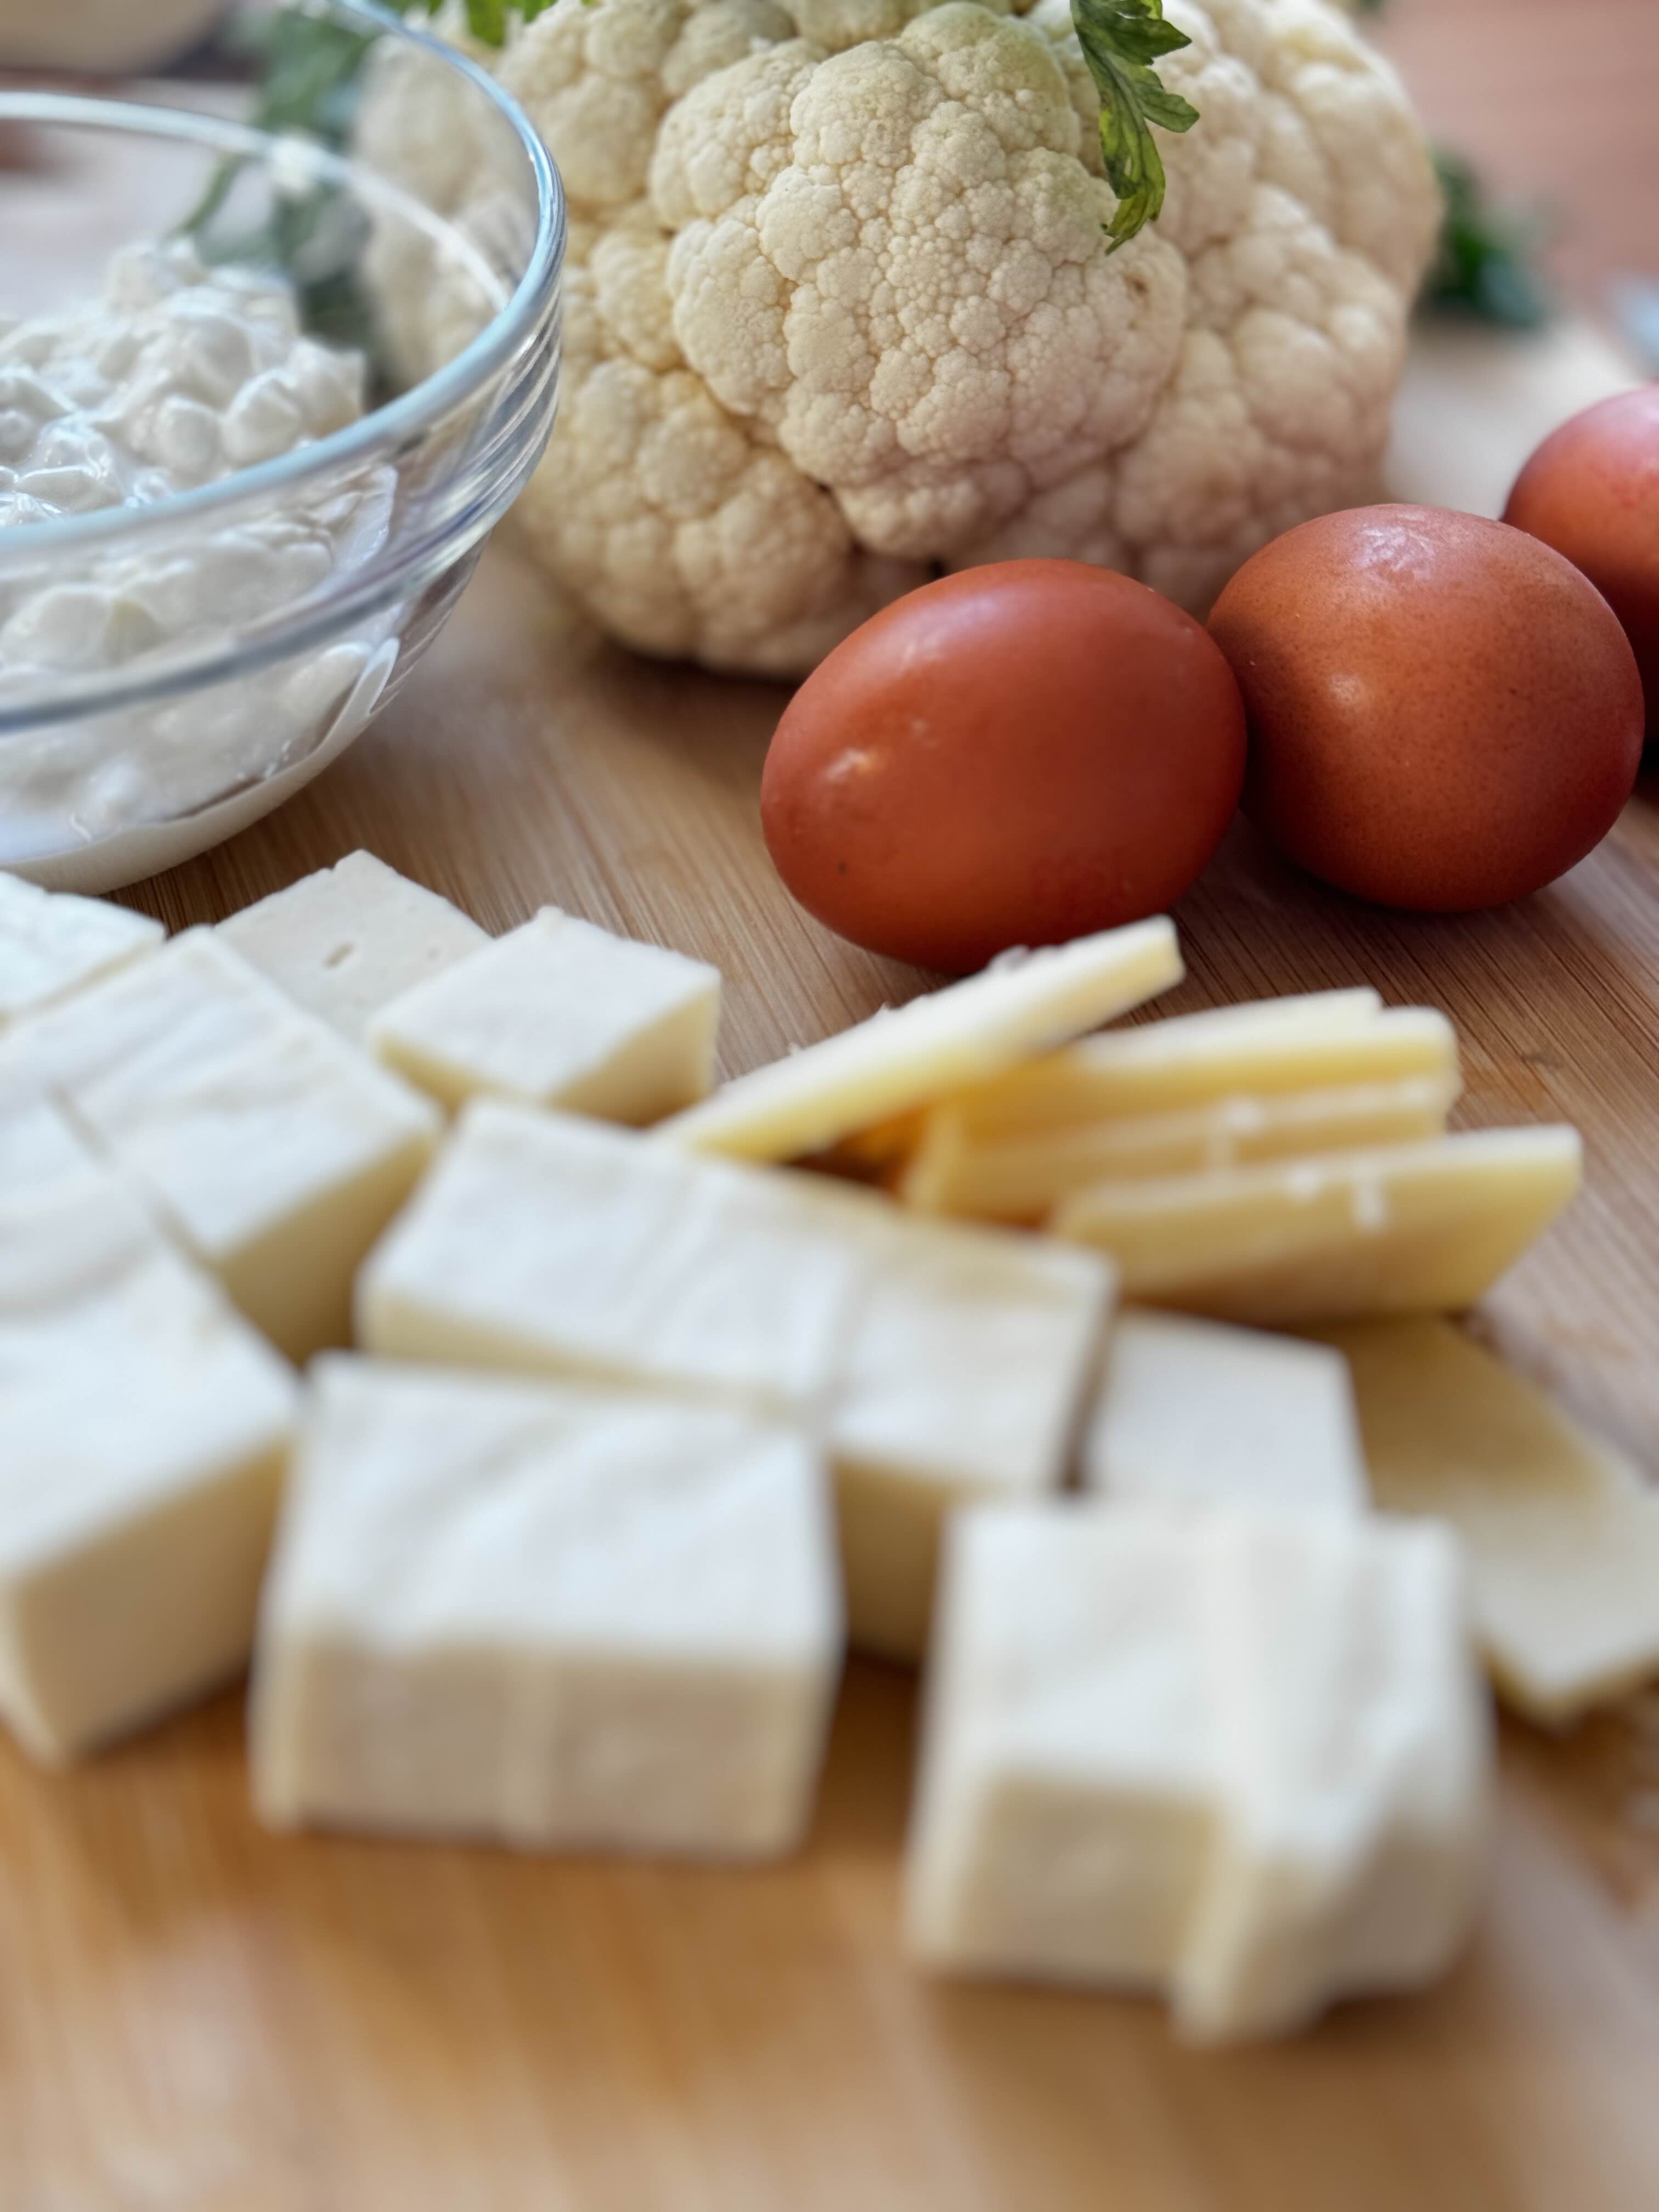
146 1429
273 1149
1067 1805
1353 1744
1419 1228
943 1363
1194 1413
560 1013
1561 1531
1238 1757
907 1056
551 1244
347 940
964 1378
52 943
545 1615
41 1151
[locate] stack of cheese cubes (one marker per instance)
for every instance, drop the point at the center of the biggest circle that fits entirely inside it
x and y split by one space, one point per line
641 1419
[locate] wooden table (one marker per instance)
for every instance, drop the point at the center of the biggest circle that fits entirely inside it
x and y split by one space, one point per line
197 2017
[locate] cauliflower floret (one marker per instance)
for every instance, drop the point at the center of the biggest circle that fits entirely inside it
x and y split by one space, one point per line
841 313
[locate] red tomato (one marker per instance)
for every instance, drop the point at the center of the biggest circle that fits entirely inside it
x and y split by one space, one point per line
1592 491
1015 755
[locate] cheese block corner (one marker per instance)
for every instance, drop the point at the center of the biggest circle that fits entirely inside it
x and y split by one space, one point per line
545 1615
345 940
147 1428
563 1014
54 944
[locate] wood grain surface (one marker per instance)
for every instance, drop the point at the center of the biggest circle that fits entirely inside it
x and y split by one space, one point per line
194 2015
197 2017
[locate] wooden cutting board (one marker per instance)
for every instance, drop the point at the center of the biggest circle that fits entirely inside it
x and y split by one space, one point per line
197 2017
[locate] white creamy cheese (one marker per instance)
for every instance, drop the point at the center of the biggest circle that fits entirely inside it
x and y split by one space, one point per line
1194 1413
50 944
546 1615
177 376
274 1151
560 1013
1239 1758
347 940
146 1428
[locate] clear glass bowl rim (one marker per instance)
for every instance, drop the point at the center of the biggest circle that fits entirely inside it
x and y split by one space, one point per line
400 420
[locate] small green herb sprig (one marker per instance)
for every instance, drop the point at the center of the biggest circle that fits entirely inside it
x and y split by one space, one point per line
1121 40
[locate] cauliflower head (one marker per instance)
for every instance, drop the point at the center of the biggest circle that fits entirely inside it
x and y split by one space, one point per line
841 313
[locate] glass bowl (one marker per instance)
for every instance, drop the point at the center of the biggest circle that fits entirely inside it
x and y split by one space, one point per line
132 741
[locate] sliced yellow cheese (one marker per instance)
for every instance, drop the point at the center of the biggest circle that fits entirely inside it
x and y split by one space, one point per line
1562 1537
1020 1177
907 1056
1165 1067
1419 1228
1199 1038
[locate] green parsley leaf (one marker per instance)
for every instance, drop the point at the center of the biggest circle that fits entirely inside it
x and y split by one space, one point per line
1121 39
1484 264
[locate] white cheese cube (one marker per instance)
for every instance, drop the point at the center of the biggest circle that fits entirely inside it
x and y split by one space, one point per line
146 1428
41 1151
964 1379
52 943
560 1013
1408 1229
945 1363
548 1243
1235 1756
347 940
1195 1414
908 1056
1354 1745
1066 1804
273 1149
1560 1532
547 1616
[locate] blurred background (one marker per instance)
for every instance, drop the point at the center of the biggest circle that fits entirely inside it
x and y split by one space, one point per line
1558 109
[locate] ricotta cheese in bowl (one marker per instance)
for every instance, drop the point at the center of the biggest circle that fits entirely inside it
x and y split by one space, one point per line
177 376
223 544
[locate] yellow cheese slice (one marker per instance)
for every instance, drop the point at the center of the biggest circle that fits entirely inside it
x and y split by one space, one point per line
1421 1228
1163 1067
1561 1534
907 1056
1204 1040
1020 1177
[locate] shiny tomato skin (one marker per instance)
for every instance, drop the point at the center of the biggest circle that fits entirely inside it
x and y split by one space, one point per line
1019 754
1591 491
1443 714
